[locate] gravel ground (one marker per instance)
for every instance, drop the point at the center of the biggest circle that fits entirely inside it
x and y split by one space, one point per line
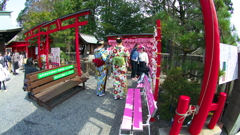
82 114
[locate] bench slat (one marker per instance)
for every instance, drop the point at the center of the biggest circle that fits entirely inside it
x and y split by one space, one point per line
49 94
45 70
137 117
127 116
49 84
152 106
38 82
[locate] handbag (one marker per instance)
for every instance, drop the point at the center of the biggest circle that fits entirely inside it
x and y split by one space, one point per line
98 62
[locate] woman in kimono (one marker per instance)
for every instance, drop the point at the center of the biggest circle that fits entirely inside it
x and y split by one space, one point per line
119 70
102 55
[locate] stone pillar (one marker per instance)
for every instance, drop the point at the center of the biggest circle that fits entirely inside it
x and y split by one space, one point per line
231 118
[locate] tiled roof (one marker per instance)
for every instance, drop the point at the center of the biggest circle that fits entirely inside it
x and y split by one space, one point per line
7 30
89 38
6 21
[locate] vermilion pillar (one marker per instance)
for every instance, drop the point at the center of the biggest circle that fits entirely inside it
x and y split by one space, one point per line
211 68
47 51
27 49
159 48
77 47
182 108
39 52
218 111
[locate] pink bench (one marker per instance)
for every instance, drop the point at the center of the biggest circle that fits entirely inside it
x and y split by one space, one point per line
132 117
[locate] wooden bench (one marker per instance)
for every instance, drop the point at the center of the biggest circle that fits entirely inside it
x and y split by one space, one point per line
132 118
51 87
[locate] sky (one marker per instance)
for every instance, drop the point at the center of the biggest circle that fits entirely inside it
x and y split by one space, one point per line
17 5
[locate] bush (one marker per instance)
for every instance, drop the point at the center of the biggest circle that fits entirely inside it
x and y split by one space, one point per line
176 84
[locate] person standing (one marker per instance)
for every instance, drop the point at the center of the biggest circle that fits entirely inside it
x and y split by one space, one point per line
143 56
3 78
101 55
15 60
9 61
143 62
119 58
2 59
134 61
29 68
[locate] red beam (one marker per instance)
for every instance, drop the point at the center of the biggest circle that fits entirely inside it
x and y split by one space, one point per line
76 15
65 27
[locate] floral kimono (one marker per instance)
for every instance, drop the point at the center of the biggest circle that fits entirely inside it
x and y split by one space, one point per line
101 53
119 72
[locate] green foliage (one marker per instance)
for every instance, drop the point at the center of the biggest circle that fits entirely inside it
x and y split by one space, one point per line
3 4
64 56
176 84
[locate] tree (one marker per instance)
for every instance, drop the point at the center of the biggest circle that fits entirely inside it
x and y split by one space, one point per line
3 4
224 10
122 17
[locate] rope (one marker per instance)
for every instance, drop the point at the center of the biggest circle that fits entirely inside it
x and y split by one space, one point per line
191 110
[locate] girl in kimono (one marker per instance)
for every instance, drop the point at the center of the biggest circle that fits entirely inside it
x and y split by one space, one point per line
119 70
102 55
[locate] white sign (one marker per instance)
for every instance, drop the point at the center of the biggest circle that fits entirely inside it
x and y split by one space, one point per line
36 50
228 63
55 56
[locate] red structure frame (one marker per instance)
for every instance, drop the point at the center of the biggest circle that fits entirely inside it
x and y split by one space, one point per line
211 69
57 26
21 46
210 78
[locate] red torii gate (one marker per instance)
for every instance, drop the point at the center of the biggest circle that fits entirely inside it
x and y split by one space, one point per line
37 32
210 79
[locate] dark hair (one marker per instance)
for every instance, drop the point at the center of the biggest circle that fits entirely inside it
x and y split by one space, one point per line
135 45
29 61
106 45
119 40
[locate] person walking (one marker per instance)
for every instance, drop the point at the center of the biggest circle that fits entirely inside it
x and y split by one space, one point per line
134 58
3 77
119 59
101 56
15 60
